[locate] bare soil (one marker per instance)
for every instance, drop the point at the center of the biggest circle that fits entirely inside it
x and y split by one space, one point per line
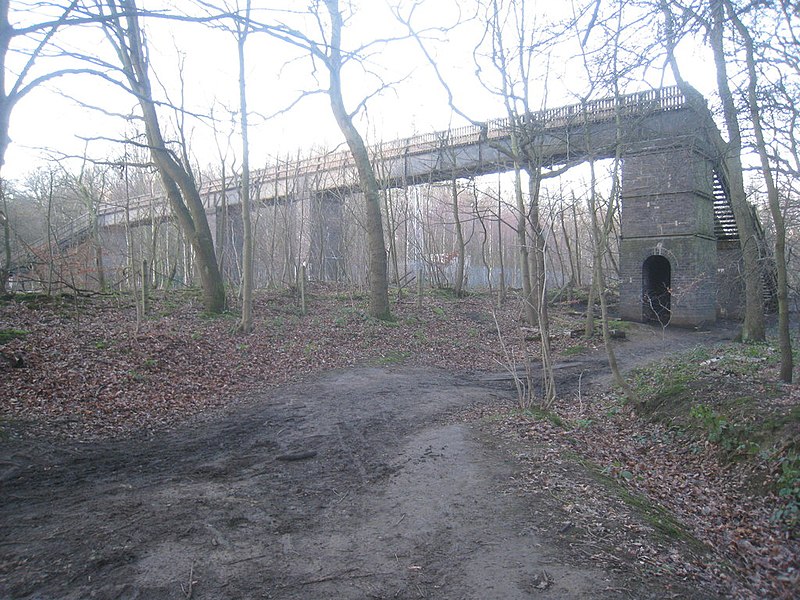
363 482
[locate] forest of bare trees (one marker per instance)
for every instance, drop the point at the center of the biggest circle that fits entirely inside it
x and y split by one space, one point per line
399 298
96 220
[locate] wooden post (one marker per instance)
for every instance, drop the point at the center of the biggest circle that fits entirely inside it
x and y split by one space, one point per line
302 284
420 283
145 289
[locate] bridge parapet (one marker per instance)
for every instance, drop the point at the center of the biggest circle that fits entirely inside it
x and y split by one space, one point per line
291 179
475 149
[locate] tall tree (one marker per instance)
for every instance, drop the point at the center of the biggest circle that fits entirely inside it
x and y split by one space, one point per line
330 51
334 60
754 108
246 323
124 33
604 68
710 17
458 286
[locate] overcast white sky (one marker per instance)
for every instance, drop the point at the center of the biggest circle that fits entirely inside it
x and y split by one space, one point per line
46 122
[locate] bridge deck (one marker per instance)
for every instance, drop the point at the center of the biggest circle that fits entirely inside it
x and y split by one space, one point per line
559 136
562 134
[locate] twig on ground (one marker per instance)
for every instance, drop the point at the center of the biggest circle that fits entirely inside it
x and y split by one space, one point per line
187 593
249 558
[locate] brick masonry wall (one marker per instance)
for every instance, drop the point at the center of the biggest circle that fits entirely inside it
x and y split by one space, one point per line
667 210
692 262
730 280
667 192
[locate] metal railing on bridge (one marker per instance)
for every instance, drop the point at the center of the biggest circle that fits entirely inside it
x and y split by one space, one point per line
590 112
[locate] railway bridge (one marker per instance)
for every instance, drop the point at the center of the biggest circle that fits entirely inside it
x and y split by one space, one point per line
679 247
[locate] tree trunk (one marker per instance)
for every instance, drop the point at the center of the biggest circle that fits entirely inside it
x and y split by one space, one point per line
378 280
539 288
458 288
784 335
577 245
753 328
485 240
573 280
179 185
246 323
6 101
600 232
5 270
500 253
391 222
522 241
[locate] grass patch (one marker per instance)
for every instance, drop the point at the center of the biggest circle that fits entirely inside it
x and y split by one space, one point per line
620 325
665 389
574 350
728 396
393 357
438 311
446 293
659 518
6 335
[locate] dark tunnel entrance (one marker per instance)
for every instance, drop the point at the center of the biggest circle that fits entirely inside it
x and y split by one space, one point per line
656 289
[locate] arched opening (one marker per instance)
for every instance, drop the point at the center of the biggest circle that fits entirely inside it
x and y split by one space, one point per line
656 289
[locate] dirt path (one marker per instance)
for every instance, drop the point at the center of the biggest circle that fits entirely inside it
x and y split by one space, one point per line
356 484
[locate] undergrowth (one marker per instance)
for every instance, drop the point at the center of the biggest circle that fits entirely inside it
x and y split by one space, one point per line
726 396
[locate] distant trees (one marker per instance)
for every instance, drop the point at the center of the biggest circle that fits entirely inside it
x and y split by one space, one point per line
754 53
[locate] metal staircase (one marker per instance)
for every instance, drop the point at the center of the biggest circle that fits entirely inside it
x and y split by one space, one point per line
725 229
724 221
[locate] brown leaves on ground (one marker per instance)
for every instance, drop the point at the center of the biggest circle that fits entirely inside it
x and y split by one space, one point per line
90 373
686 486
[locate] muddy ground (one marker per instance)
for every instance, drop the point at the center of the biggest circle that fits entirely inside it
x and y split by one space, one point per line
371 482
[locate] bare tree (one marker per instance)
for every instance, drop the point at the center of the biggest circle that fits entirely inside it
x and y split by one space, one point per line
602 220
330 51
124 33
513 62
709 16
246 324
754 108
39 35
458 286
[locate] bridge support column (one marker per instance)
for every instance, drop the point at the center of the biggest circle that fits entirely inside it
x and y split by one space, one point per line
227 229
113 240
668 250
327 238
